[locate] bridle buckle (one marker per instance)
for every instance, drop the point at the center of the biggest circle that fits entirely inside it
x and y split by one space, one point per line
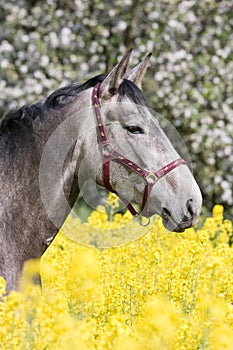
107 149
151 178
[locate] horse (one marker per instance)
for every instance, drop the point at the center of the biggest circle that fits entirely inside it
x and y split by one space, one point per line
86 130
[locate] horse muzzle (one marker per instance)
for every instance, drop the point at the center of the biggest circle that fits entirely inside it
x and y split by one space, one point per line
189 219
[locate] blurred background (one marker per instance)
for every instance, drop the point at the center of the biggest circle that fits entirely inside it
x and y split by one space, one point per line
47 44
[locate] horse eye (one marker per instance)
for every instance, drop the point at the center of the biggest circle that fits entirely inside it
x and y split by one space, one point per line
134 129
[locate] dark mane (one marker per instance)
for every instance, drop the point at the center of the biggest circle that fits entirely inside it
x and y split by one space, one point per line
25 115
67 94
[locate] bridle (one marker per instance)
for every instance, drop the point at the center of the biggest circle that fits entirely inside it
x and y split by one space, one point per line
110 154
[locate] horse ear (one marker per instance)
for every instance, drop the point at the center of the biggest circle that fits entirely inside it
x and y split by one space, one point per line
137 73
113 80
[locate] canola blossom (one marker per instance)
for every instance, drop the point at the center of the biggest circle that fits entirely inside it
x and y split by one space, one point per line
162 290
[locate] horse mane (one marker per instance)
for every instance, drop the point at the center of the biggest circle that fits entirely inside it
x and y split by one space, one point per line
25 115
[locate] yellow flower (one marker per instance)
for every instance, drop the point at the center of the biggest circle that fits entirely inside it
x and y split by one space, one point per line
218 211
161 290
113 200
2 286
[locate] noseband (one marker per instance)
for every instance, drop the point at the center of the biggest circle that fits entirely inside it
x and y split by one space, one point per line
109 153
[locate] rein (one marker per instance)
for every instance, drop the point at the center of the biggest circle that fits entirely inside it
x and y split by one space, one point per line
110 154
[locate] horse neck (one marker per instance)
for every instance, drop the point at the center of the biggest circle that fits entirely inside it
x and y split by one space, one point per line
62 143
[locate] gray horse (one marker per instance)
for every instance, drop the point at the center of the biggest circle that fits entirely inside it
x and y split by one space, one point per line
48 149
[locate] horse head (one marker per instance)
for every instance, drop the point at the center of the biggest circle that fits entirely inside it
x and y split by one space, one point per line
136 160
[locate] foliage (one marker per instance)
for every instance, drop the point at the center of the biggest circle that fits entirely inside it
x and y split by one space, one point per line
163 291
45 44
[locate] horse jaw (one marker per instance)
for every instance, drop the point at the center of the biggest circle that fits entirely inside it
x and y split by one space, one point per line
178 201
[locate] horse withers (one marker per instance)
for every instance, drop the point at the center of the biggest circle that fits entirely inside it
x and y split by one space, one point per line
103 130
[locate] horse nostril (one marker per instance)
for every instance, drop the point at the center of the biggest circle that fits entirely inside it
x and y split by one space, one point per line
189 206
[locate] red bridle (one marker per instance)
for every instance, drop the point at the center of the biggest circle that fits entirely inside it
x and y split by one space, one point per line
109 153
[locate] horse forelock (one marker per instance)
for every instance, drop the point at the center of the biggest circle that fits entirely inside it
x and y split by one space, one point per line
130 90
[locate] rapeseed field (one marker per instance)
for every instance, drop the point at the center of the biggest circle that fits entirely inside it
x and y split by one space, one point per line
158 290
